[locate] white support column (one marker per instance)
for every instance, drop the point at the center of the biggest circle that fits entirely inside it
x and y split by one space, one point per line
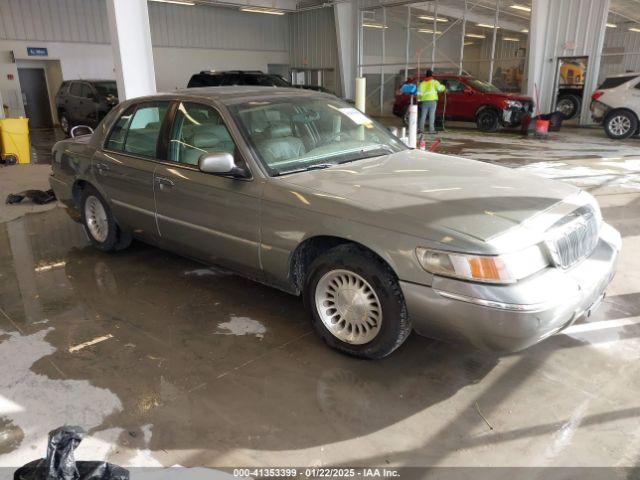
462 35
564 28
346 16
493 41
132 49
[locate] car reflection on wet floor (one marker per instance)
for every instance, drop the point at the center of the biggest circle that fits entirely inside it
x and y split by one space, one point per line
154 353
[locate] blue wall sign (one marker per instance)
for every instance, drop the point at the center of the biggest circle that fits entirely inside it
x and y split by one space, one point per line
37 52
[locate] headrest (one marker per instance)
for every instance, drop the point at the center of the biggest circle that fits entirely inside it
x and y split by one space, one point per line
220 131
280 129
205 139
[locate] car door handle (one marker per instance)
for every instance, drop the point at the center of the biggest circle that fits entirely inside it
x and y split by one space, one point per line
102 167
165 182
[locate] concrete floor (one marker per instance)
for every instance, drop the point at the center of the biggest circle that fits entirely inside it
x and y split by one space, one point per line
196 367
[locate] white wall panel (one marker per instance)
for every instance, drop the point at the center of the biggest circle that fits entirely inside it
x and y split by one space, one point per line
85 21
219 28
54 20
313 39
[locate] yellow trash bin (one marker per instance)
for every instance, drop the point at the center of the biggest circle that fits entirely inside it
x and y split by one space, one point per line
14 139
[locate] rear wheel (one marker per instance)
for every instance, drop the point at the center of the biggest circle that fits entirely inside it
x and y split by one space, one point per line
620 124
569 106
356 304
99 224
488 120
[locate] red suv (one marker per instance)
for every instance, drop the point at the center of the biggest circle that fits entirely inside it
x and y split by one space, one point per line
471 100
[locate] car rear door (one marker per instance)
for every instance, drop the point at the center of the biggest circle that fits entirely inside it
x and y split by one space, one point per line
124 167
212 218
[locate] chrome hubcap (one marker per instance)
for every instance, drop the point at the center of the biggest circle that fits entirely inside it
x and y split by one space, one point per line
565 107
348 306
96 219
620 125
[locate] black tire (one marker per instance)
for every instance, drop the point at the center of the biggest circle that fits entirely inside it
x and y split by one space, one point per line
569 106
395 325
114 238
620 124
488 120
65 123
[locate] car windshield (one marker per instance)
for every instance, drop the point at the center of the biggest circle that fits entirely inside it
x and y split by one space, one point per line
298 134
483 86
106 88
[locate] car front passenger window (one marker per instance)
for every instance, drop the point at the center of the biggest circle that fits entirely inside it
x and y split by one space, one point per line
198 129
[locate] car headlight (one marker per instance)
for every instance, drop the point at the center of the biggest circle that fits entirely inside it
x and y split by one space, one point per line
514 104
506 268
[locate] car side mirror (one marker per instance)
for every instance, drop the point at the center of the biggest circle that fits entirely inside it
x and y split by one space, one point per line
469 91
220 163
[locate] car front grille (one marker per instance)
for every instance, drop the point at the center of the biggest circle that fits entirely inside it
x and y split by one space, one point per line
573 238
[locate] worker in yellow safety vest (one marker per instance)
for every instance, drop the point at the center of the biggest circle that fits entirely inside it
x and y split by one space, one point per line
428 101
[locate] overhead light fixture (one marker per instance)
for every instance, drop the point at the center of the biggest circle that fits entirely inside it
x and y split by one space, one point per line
524 8
634 29
474 35
266 10
612 25
466 44
176 2
510 39
439 19
374 25
525 30
484 25
427 30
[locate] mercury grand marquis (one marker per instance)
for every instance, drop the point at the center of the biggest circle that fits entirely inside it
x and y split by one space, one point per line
303 192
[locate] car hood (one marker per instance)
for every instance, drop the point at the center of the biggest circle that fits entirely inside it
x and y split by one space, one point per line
436 192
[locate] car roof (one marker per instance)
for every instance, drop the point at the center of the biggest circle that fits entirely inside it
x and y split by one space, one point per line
239 94
232 72
90 80
621 75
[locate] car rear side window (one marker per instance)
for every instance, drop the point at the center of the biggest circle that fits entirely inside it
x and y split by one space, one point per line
119 130
76 89
198 129
614 82
136 132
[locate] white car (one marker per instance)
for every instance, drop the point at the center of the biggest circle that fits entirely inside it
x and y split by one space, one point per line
616 104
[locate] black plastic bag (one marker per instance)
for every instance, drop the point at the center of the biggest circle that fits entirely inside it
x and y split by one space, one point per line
60 463
36 196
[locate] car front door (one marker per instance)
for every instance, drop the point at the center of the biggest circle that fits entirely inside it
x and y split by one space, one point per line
124 167
209 217
454 100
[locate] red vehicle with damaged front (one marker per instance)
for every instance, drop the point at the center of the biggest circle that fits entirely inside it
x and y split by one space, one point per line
471 100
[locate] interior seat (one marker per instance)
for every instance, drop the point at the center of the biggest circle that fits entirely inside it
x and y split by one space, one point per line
280 144
202 142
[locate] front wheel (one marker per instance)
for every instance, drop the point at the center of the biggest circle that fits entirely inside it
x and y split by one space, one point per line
488 120
99 224
356 304
620 124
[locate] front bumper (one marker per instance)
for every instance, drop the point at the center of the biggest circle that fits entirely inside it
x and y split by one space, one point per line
513 317
512 117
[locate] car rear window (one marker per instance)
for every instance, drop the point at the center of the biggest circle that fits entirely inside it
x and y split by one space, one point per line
614 82
137 130
201 80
